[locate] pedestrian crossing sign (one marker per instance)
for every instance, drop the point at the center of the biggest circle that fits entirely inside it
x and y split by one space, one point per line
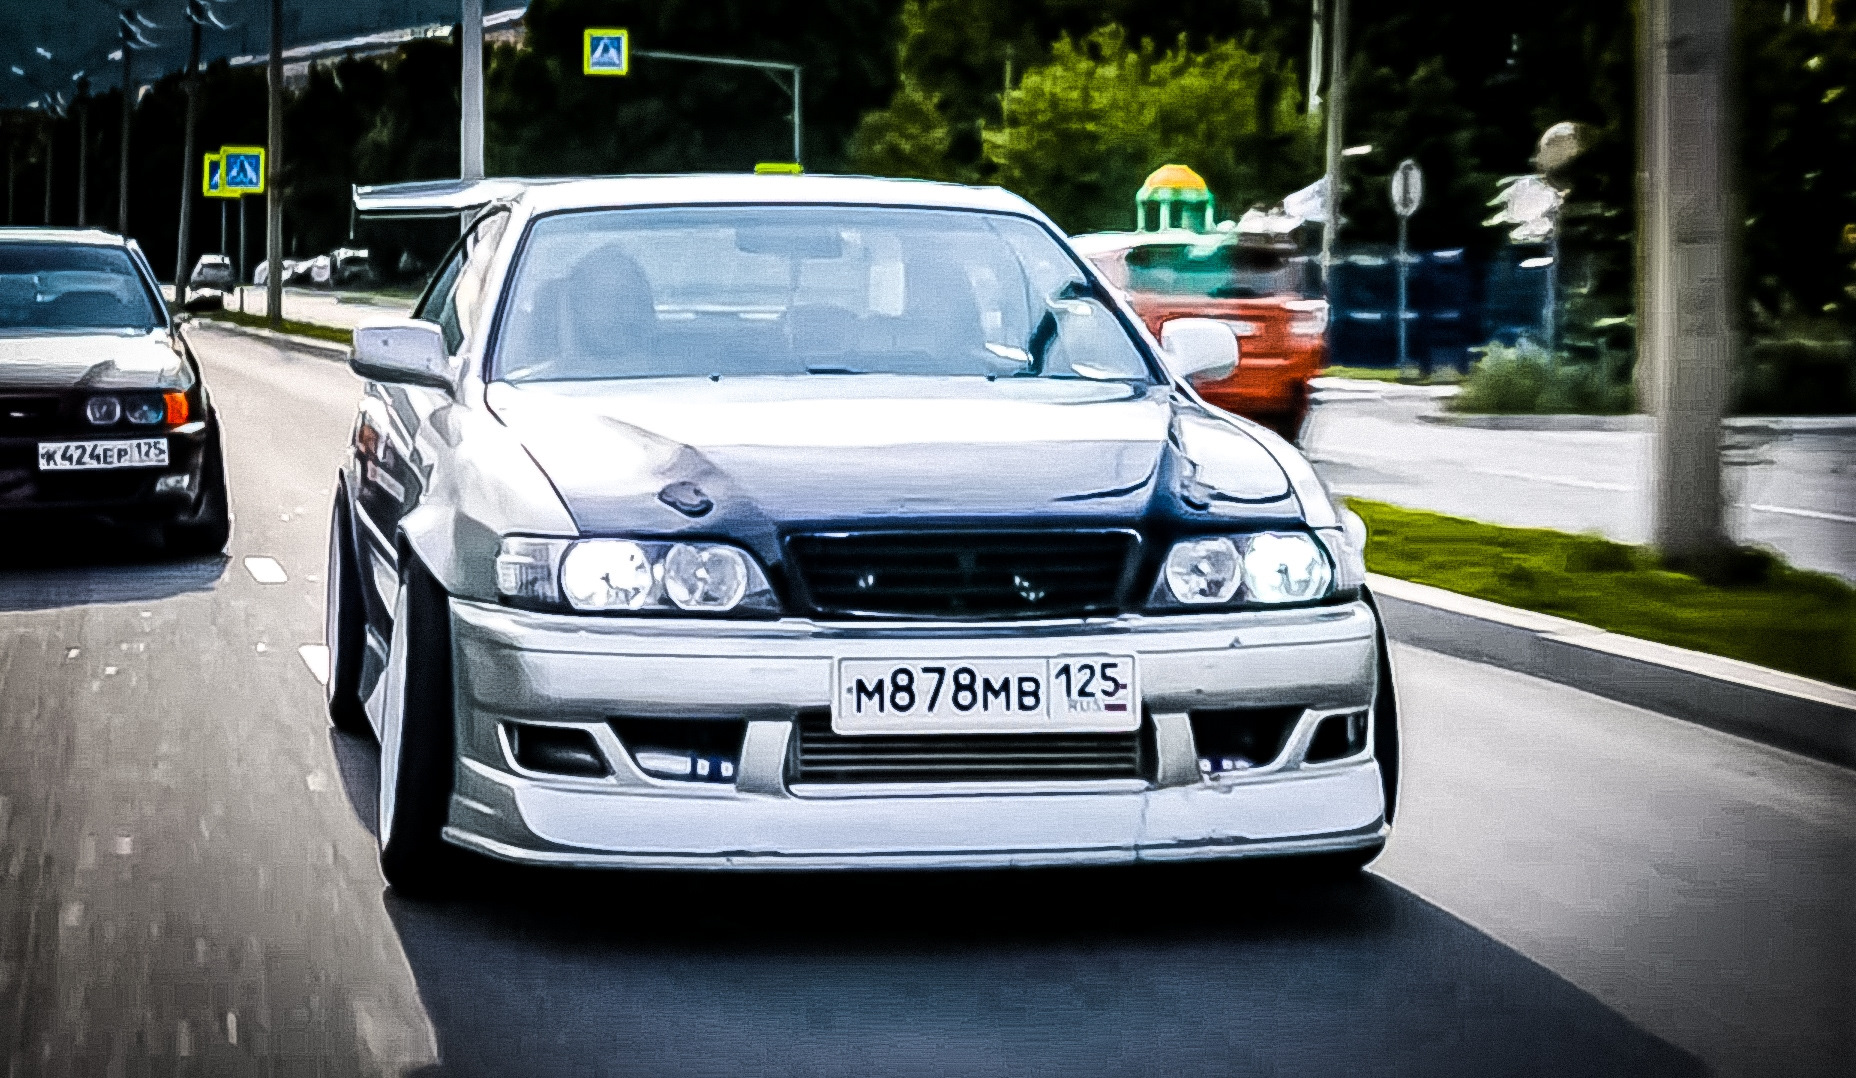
607 52
244 169
213 177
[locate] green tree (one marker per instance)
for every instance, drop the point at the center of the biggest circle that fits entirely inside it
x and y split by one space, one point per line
1088 126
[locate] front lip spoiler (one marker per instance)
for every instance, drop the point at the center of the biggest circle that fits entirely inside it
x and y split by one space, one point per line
1210 849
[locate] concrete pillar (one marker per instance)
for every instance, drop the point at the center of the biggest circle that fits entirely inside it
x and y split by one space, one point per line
1688 315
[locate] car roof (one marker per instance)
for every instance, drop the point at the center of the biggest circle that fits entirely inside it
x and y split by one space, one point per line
42 234
548 194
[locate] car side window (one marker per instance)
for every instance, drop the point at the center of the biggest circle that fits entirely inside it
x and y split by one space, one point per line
458 299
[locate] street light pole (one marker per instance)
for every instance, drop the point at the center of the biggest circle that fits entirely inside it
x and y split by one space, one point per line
1688 324
128 115
191 83
470 96
1336 118
765 65
83 150
273 188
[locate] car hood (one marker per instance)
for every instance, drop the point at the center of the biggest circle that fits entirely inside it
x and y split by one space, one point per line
90 361
831 450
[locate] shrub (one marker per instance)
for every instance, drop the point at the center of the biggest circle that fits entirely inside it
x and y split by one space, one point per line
1525 379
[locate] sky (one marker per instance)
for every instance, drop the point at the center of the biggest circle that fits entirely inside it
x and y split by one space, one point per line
80 35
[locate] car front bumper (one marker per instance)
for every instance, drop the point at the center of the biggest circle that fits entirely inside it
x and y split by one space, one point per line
520 667
118 494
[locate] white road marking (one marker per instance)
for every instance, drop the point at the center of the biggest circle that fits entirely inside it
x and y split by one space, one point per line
109 671
231 1027
262 647
316 657
72 653
1564 481
125 845
1814 514
316 781
265 570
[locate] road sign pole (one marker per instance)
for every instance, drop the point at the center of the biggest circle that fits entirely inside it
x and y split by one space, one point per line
1407 196
273 195
797 122
222 227
1404 271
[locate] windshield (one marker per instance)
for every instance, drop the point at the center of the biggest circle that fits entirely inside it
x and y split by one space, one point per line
54 287
797 290
1225 271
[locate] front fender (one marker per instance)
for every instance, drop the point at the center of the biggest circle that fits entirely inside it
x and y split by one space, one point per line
480 485
1385 711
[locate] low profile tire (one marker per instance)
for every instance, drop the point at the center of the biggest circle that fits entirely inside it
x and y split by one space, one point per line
414 856
344 625
208 527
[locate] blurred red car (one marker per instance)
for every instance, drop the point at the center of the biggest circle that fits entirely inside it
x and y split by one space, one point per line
1267 292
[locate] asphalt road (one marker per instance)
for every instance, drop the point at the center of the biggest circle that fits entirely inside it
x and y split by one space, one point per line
1792 492
188 886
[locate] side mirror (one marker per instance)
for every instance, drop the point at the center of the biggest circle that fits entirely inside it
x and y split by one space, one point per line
408 351
1198 346
204 301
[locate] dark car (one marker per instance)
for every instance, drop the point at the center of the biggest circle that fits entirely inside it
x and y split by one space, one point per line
103 413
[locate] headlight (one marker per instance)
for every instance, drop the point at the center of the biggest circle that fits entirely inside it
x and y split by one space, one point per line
608 574
103 410
146 411
631 575
705 577
1268 567
1285 568
1203 570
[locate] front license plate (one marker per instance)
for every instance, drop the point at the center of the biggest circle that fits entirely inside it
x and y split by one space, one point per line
87 456
986 696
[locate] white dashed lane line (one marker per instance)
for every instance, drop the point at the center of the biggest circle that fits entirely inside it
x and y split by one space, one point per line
316 657
265 570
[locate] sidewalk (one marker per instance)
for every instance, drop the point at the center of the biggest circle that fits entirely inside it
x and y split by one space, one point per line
1791 486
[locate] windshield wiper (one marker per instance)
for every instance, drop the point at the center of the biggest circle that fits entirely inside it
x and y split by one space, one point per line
812 369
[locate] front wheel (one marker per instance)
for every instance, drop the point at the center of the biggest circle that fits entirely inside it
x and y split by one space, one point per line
418 748
344 624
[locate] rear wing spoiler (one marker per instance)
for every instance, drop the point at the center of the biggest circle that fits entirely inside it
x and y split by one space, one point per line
433 198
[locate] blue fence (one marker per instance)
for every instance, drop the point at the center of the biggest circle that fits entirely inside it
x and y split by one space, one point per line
1453 304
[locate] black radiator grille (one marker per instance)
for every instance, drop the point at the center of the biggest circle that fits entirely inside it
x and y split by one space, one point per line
821 756
964 574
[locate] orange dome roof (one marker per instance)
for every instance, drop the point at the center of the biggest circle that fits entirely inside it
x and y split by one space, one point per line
1175 178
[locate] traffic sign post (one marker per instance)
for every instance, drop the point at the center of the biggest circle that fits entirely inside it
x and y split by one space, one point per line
213 177
609 52
244 169
606 52
1407 194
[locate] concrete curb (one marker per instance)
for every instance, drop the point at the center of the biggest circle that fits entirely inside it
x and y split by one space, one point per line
1538 422
1744 424
289 340
1779 709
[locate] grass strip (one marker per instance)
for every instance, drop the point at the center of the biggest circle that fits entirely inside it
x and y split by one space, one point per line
290 325
1780 617
1443 376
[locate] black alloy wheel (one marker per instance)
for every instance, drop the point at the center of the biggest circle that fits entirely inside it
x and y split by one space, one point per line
344 623
207 527
414 856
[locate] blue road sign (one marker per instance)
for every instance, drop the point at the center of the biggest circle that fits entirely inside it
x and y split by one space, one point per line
606 52
244 169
